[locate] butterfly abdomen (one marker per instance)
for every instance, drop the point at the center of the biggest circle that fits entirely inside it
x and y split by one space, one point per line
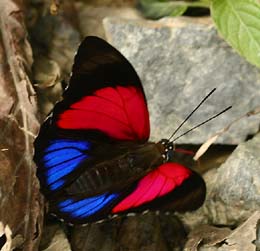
119 172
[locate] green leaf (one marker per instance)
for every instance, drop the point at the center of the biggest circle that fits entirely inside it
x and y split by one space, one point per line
239 23
156 9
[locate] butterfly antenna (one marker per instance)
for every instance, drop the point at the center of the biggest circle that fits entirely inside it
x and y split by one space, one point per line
196 108
204 122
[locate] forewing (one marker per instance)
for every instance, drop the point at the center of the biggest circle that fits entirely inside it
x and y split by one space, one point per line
103 106
104 93
120 112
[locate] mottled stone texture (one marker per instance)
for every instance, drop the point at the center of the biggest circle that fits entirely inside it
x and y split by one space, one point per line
55 41
54 239
232 189
91 16
148 232
235 193
179 62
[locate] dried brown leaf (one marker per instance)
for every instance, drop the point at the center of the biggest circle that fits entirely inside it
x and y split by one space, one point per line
242 238
206 235
21 202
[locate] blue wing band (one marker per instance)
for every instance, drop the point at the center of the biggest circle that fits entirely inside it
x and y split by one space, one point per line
60 158
86 207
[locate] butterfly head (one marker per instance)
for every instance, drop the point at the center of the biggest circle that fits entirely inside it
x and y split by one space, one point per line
168 149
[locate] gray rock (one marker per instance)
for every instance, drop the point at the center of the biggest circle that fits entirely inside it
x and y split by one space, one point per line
95 237
91 16
179 62
235 194
233 190
141 232
56 38
54 239
47 83
55 41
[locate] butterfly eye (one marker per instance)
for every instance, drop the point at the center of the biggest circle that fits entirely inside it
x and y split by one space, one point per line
164 142
170 146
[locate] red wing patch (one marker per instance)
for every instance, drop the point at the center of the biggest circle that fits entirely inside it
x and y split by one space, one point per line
155 184
120 112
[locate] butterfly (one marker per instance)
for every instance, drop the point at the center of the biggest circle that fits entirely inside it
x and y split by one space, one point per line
92 153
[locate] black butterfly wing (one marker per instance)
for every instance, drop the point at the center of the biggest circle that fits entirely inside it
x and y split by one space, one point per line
103 107
98 65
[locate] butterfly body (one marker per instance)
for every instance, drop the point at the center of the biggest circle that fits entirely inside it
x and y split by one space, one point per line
92 153
117 173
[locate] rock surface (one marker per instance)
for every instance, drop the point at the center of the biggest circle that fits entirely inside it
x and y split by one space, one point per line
233 190
54 239
179 62
141 232
56 37
55 41
47 81
235 193
91 17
